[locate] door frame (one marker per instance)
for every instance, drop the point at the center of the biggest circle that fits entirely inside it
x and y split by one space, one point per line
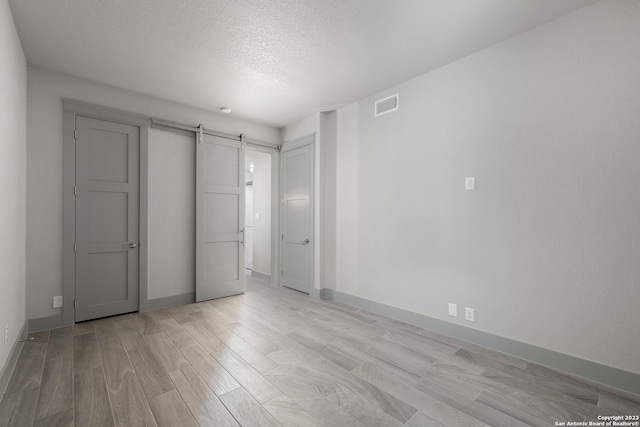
274 152
289 146
71 109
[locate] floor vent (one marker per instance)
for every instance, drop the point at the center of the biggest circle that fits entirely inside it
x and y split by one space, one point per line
387 105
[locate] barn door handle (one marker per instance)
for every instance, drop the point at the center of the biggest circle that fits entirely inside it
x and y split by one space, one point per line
132 245
242 238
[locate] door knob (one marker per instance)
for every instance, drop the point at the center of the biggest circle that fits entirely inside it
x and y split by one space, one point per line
132 245
305 242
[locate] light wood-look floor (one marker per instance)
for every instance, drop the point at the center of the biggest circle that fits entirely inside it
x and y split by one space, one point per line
276 357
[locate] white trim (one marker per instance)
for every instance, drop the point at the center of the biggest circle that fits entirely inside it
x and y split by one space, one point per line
297 143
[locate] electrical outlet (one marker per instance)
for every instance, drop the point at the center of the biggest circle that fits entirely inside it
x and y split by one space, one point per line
469 314
6 334
57 301
470 183
453 310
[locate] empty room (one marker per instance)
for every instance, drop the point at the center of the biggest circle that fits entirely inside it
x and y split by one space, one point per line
320 213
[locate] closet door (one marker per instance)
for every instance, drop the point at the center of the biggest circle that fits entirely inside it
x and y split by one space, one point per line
297 219
220 193
107 218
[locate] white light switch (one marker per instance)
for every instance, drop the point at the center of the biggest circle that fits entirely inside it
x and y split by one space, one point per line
57 301
453 311
470 183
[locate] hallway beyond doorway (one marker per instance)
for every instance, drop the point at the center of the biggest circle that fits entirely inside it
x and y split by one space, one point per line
258 213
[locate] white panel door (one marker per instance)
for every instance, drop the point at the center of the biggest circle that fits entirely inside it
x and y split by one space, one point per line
220 193
297 219
107 206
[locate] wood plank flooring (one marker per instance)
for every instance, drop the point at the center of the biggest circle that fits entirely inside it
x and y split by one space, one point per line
275 357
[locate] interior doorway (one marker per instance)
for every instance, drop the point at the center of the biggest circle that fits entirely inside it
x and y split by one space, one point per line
258 213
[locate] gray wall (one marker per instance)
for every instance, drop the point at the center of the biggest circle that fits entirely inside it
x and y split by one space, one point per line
44 178
172 212
328 188
13 122
547 248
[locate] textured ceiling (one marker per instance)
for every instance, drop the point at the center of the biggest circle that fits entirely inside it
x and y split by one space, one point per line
272 61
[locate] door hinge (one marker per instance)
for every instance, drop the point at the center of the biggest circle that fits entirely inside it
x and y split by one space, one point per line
282 237
75 247
75 134
242 142
282 272
75 303
75 190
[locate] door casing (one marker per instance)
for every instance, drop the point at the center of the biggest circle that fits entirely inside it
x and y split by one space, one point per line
72 109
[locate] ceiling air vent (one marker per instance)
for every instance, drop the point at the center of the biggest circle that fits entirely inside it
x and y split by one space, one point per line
387 105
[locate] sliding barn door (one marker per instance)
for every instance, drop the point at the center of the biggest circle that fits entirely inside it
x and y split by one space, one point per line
220 192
